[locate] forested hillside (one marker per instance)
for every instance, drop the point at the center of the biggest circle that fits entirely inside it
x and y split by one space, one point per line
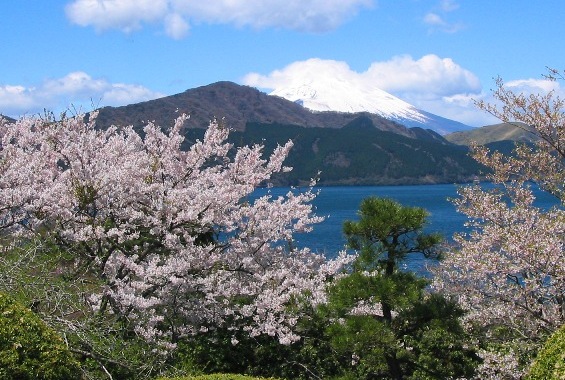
358 154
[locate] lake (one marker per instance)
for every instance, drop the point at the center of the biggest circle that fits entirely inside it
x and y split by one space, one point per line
340 203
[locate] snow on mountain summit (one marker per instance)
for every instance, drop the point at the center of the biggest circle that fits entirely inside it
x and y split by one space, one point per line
343 96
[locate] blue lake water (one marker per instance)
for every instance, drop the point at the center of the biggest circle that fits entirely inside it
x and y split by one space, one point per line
341 203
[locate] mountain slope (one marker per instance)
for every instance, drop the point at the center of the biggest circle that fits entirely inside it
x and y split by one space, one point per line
358 154
348 148
493 133
237 105
8 119
342 96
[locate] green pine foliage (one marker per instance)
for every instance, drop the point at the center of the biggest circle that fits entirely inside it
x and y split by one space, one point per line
412 334
438 344
29 349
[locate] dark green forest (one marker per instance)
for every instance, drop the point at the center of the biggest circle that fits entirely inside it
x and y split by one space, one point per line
358 154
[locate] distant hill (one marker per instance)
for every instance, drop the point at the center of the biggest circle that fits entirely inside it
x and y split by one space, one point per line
493 133
348 148
238 105
358 154
9 119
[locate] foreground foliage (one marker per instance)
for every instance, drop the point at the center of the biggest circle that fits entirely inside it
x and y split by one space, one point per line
383 322
29 349
311 357
139 244
156 260
509 270
550 360
217 376
378 321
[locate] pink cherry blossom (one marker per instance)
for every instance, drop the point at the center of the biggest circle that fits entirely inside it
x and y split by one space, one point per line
509 270
172 235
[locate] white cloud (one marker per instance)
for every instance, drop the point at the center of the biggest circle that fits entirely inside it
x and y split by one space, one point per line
431 83
127 15
437 19
14 97
76 83
301 72
121 94
175 15
434 19
75 91
534 86
176 26
427 77
448 5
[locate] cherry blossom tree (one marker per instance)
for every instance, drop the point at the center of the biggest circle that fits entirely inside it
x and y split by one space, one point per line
168 241
509 270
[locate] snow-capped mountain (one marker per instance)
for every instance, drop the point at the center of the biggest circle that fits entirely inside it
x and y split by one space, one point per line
341 96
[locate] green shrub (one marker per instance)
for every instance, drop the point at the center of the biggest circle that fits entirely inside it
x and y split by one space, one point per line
261 356
550 361
216 376
29 349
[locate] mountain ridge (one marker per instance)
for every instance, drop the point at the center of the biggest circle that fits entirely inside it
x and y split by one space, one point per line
238 105
347 148
7 118
357 154
511 132
338 95
235 103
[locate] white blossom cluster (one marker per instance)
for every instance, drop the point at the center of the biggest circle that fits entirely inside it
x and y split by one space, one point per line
171 235
509 271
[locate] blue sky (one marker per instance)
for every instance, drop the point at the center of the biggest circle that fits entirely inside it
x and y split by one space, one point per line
436 54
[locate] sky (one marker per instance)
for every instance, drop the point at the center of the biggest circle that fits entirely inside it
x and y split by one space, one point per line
439 55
